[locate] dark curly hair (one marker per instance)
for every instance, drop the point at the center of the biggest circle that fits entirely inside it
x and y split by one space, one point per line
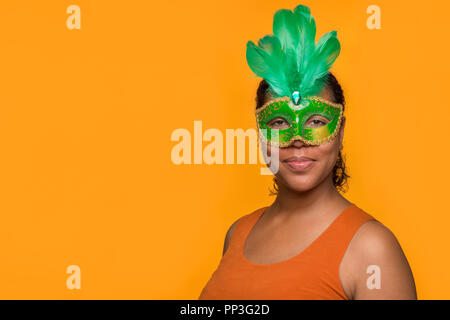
340 175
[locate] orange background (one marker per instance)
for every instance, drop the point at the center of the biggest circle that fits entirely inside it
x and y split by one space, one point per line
86 117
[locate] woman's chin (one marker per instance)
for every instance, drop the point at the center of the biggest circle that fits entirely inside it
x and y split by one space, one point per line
299 184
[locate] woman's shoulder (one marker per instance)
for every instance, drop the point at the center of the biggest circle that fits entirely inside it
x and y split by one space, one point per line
244 217
374 245
233 226
375 241
371 232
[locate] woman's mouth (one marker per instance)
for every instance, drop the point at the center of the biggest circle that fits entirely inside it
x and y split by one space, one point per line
299 163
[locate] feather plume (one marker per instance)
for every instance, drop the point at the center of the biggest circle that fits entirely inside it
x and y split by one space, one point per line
289 60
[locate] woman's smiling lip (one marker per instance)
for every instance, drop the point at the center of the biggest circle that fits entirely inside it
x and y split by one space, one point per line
299 163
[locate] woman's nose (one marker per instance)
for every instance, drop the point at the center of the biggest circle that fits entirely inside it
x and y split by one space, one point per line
297 144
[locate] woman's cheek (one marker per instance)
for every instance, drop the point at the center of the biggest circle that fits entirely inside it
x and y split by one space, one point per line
328 155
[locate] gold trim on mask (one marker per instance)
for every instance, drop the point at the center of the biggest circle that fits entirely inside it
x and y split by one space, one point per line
336 105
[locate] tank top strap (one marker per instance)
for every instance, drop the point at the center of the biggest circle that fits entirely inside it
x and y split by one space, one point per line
242 229
337 238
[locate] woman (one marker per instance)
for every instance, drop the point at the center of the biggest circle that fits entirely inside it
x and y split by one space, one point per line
311 243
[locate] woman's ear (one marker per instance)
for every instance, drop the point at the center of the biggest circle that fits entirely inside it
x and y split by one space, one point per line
341 132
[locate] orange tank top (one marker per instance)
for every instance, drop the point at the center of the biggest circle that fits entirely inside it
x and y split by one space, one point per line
312 274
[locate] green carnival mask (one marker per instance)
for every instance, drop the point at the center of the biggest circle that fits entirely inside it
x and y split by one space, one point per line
296 70
299 121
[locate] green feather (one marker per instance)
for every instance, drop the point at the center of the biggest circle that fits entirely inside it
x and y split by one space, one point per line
290 60
325 53
267 61
307 34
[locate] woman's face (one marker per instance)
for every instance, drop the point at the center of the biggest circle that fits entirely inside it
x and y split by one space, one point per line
302 167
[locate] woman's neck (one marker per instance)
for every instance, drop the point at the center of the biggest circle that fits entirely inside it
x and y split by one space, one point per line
322 198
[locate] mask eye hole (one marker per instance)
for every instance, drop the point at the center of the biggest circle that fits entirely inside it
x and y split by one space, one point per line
316 121
278 123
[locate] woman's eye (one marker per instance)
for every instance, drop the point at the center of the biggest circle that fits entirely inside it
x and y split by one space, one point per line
316 122
278 123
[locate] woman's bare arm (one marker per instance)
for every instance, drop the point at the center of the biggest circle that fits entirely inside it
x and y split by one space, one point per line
375 267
